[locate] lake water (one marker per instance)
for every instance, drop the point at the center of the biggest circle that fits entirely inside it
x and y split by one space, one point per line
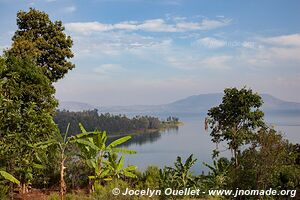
162 148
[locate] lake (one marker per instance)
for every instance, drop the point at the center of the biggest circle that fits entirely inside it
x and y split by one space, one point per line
162 148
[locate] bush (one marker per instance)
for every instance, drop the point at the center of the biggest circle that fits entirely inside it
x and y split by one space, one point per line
105 192
53 196
77 197
150 178
3 191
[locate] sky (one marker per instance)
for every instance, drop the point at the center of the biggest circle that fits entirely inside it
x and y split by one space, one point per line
130 52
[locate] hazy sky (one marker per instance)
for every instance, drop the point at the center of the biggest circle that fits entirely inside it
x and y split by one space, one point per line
152 52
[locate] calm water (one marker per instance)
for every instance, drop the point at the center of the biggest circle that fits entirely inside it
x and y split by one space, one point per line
162 148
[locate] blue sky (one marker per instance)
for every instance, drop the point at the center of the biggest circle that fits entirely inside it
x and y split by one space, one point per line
152 52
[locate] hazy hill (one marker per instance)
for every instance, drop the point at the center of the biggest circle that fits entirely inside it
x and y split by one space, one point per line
193 104
75 106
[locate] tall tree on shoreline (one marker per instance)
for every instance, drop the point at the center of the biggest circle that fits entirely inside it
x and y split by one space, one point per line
236 118
39 56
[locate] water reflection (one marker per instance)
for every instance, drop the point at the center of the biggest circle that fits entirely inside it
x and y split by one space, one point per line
162 148
143 138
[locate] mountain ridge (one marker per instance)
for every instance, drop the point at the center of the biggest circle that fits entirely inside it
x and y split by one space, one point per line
192 104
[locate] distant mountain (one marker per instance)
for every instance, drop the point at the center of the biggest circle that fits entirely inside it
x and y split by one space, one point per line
75 106
274 104
201 103
193 104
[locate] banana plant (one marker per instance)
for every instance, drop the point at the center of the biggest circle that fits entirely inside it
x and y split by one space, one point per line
116 167
103 159
3 187
219 173
179 176
62 143
7 176
182 171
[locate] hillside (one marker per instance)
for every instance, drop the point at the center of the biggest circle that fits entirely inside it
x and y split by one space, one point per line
74 106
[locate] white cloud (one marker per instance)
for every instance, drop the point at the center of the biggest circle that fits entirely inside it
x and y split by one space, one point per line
70 9
207 24
156 25
276 52
86 27
114 44
192 62
152 25
217 62
107 69
283 40
211 42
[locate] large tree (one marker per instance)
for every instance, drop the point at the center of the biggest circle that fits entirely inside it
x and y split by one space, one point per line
27 104
44 41
236 118
38 57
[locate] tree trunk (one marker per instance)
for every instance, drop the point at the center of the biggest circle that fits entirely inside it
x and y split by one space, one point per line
235 158
62 180
23 188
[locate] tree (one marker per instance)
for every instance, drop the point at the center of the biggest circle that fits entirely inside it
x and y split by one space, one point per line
102 157
62 143
218 177
180 176
44 42
38 57
27 104
272 160
236 118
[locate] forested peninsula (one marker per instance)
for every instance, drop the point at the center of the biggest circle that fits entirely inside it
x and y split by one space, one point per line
112 124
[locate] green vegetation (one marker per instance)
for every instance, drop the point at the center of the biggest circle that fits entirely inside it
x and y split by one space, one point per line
103 158
34 152
44 42
235 119
112 124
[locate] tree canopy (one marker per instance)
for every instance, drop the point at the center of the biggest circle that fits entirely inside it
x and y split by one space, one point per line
235 119
44 41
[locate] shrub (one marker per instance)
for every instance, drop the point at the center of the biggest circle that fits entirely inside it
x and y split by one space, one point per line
53 196
3 191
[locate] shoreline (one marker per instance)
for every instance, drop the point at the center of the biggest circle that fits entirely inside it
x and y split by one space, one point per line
147 131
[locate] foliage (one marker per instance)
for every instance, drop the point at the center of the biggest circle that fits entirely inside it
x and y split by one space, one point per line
270 161
179 176
108 122
53 196
9 177
62 143
47 176
236 118
104 191
37 58
44 42
77 172
79 196
26 106
3 191
102 158
3 184
116 167
219 174
150 178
